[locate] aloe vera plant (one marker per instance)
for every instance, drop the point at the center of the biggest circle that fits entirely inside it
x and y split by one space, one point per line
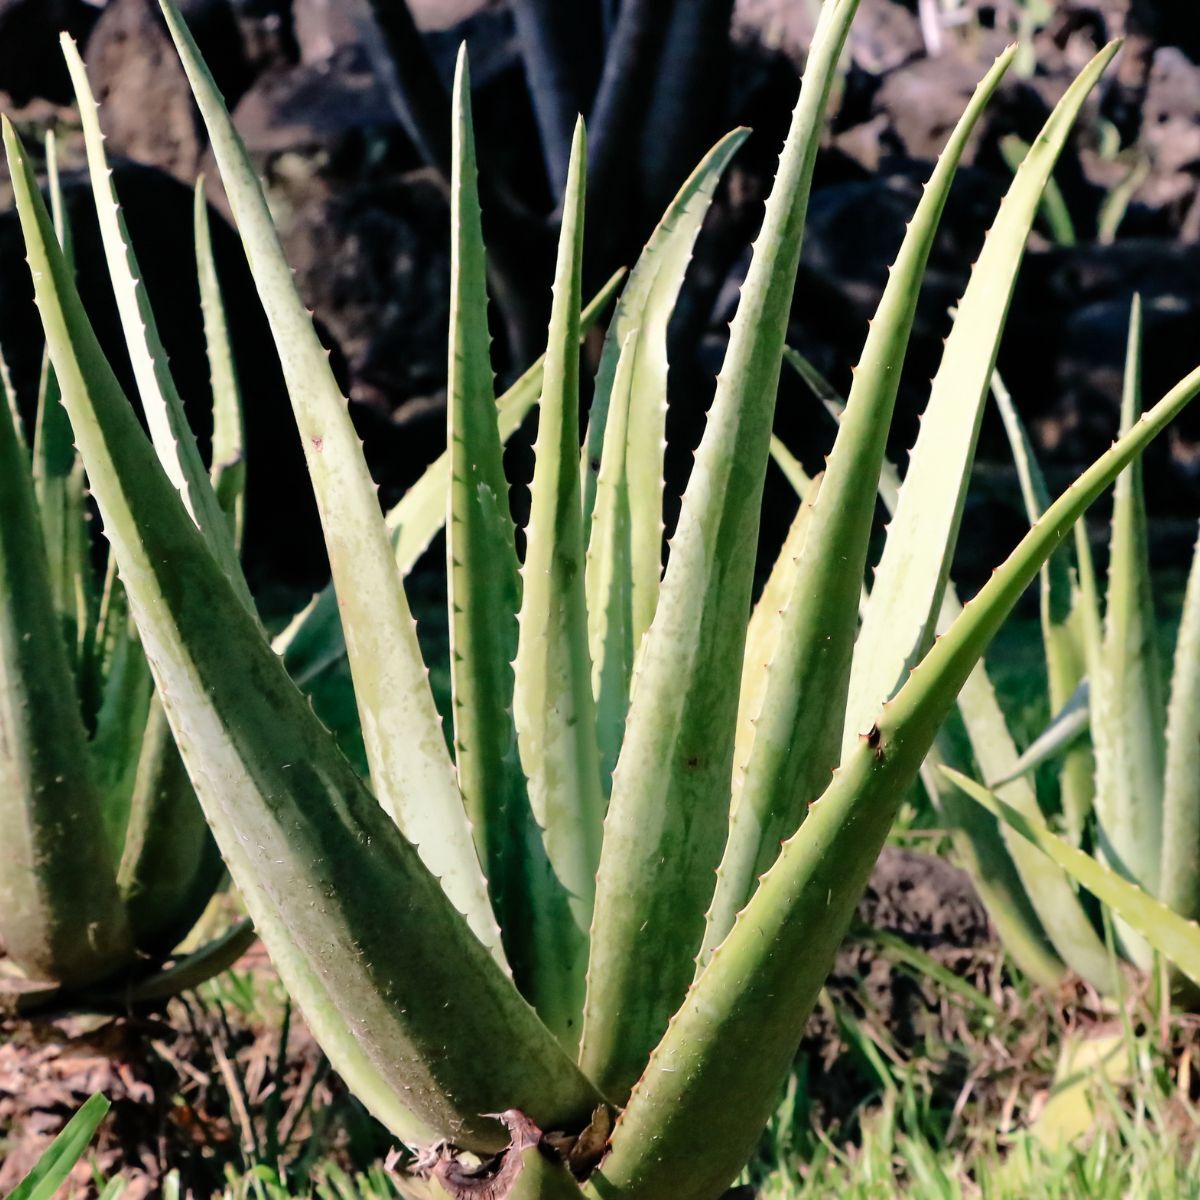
106 861
1128 757
501 941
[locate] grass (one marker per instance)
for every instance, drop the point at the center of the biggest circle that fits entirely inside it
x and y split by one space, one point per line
955 1112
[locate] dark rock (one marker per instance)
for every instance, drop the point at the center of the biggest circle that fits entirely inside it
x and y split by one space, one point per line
1171 136
282 539
31 63
135 73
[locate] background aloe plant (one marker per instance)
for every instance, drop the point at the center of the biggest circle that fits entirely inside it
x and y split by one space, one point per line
106 860
515 922
1128 760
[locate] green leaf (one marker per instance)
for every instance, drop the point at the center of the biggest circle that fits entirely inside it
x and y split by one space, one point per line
191 970
1053 207
387 972
1060 619
313 640
65 1151
979 848
1063 730
646 306
552 701
1173 936
1180 884
798 728
228 470
737 1030
169 866
1054 899
411 771
172 435
608 574
58 477
669 811
911 576
978 841
1127 696
61 918
484 591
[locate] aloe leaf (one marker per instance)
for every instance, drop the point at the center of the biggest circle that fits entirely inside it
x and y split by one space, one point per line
484 591
313 639
911 577
191 970
172 435
65 1151
387 971
979 847
228 470
669 811
1172 935
608 574
762 633
552 700
61 918
121 719
1065 653
978 839
1054 899
411 771
1180 883
10 399
1054 209
798 728
169 866
790 465
737 1030
58 476
646 305
1127 697
1062 731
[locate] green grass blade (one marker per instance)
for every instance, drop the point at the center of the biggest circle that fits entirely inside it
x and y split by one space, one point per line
646 306
1180 885
65 1151
411 771
1127 697
1065 653
484 590
228 470
313 640
173 437
608 574
669 811
798 728
911 577
737 1031
61 918
387 971
1172 935
552 700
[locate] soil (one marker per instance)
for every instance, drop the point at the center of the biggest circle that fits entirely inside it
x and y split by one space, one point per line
191 1086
